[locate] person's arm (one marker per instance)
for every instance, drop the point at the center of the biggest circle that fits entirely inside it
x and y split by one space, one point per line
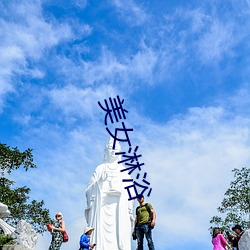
224 242
92 245
84 242
232 235
154 217
135 222
229 246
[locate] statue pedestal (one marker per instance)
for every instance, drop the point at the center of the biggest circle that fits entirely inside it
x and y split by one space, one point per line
244 242
13 247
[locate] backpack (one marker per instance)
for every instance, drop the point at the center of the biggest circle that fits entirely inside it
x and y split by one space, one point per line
150 218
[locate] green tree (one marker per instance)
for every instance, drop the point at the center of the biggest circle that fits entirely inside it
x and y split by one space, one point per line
17 199
235 207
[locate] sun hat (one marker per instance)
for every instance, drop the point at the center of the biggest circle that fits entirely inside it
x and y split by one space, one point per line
59 213
237 227
87 229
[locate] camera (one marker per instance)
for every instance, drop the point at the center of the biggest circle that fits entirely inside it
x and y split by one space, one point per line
134 235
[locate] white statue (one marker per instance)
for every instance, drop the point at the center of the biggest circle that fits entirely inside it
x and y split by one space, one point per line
4 212
108 209
25 235
244 242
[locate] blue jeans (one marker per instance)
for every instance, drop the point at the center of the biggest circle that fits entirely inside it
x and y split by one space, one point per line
142 230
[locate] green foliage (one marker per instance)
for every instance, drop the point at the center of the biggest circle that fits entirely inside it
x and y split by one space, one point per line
235 206
6 240
11 159
17 199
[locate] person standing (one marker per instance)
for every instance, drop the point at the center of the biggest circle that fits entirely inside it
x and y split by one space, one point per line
218 240
239 231
142 226
56 231
85 239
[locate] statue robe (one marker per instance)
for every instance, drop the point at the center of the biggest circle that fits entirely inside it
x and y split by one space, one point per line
244 242
108 209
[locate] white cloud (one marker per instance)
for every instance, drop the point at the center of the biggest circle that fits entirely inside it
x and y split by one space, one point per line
198 20
25 35
131 12
190 34
105 69
123 70
217 42
143 63
80 102
80 3
240 101
31 33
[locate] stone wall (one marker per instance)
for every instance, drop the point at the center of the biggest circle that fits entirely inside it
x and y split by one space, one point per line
13 247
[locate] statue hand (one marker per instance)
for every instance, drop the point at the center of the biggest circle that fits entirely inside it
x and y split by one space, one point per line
90 202
132 219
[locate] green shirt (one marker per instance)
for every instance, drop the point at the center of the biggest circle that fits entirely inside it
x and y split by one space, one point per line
142 214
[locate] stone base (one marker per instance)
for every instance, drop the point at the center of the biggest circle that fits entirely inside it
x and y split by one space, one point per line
13 247
244 242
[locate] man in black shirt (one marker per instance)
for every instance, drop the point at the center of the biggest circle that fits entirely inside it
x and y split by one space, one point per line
239 231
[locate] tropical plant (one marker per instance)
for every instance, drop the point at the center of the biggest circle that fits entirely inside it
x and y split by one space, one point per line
235 207
17 198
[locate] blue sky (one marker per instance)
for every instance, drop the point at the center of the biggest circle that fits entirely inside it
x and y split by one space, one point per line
182 68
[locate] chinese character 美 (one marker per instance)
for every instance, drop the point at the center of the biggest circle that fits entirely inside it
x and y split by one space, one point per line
117 109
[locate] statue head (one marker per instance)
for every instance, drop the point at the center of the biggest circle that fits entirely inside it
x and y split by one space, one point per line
4 212
109 152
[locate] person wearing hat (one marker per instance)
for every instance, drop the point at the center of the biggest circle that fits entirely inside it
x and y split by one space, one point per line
85 239
56 231
239 231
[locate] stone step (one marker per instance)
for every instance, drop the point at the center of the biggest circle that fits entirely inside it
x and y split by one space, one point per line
12 247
